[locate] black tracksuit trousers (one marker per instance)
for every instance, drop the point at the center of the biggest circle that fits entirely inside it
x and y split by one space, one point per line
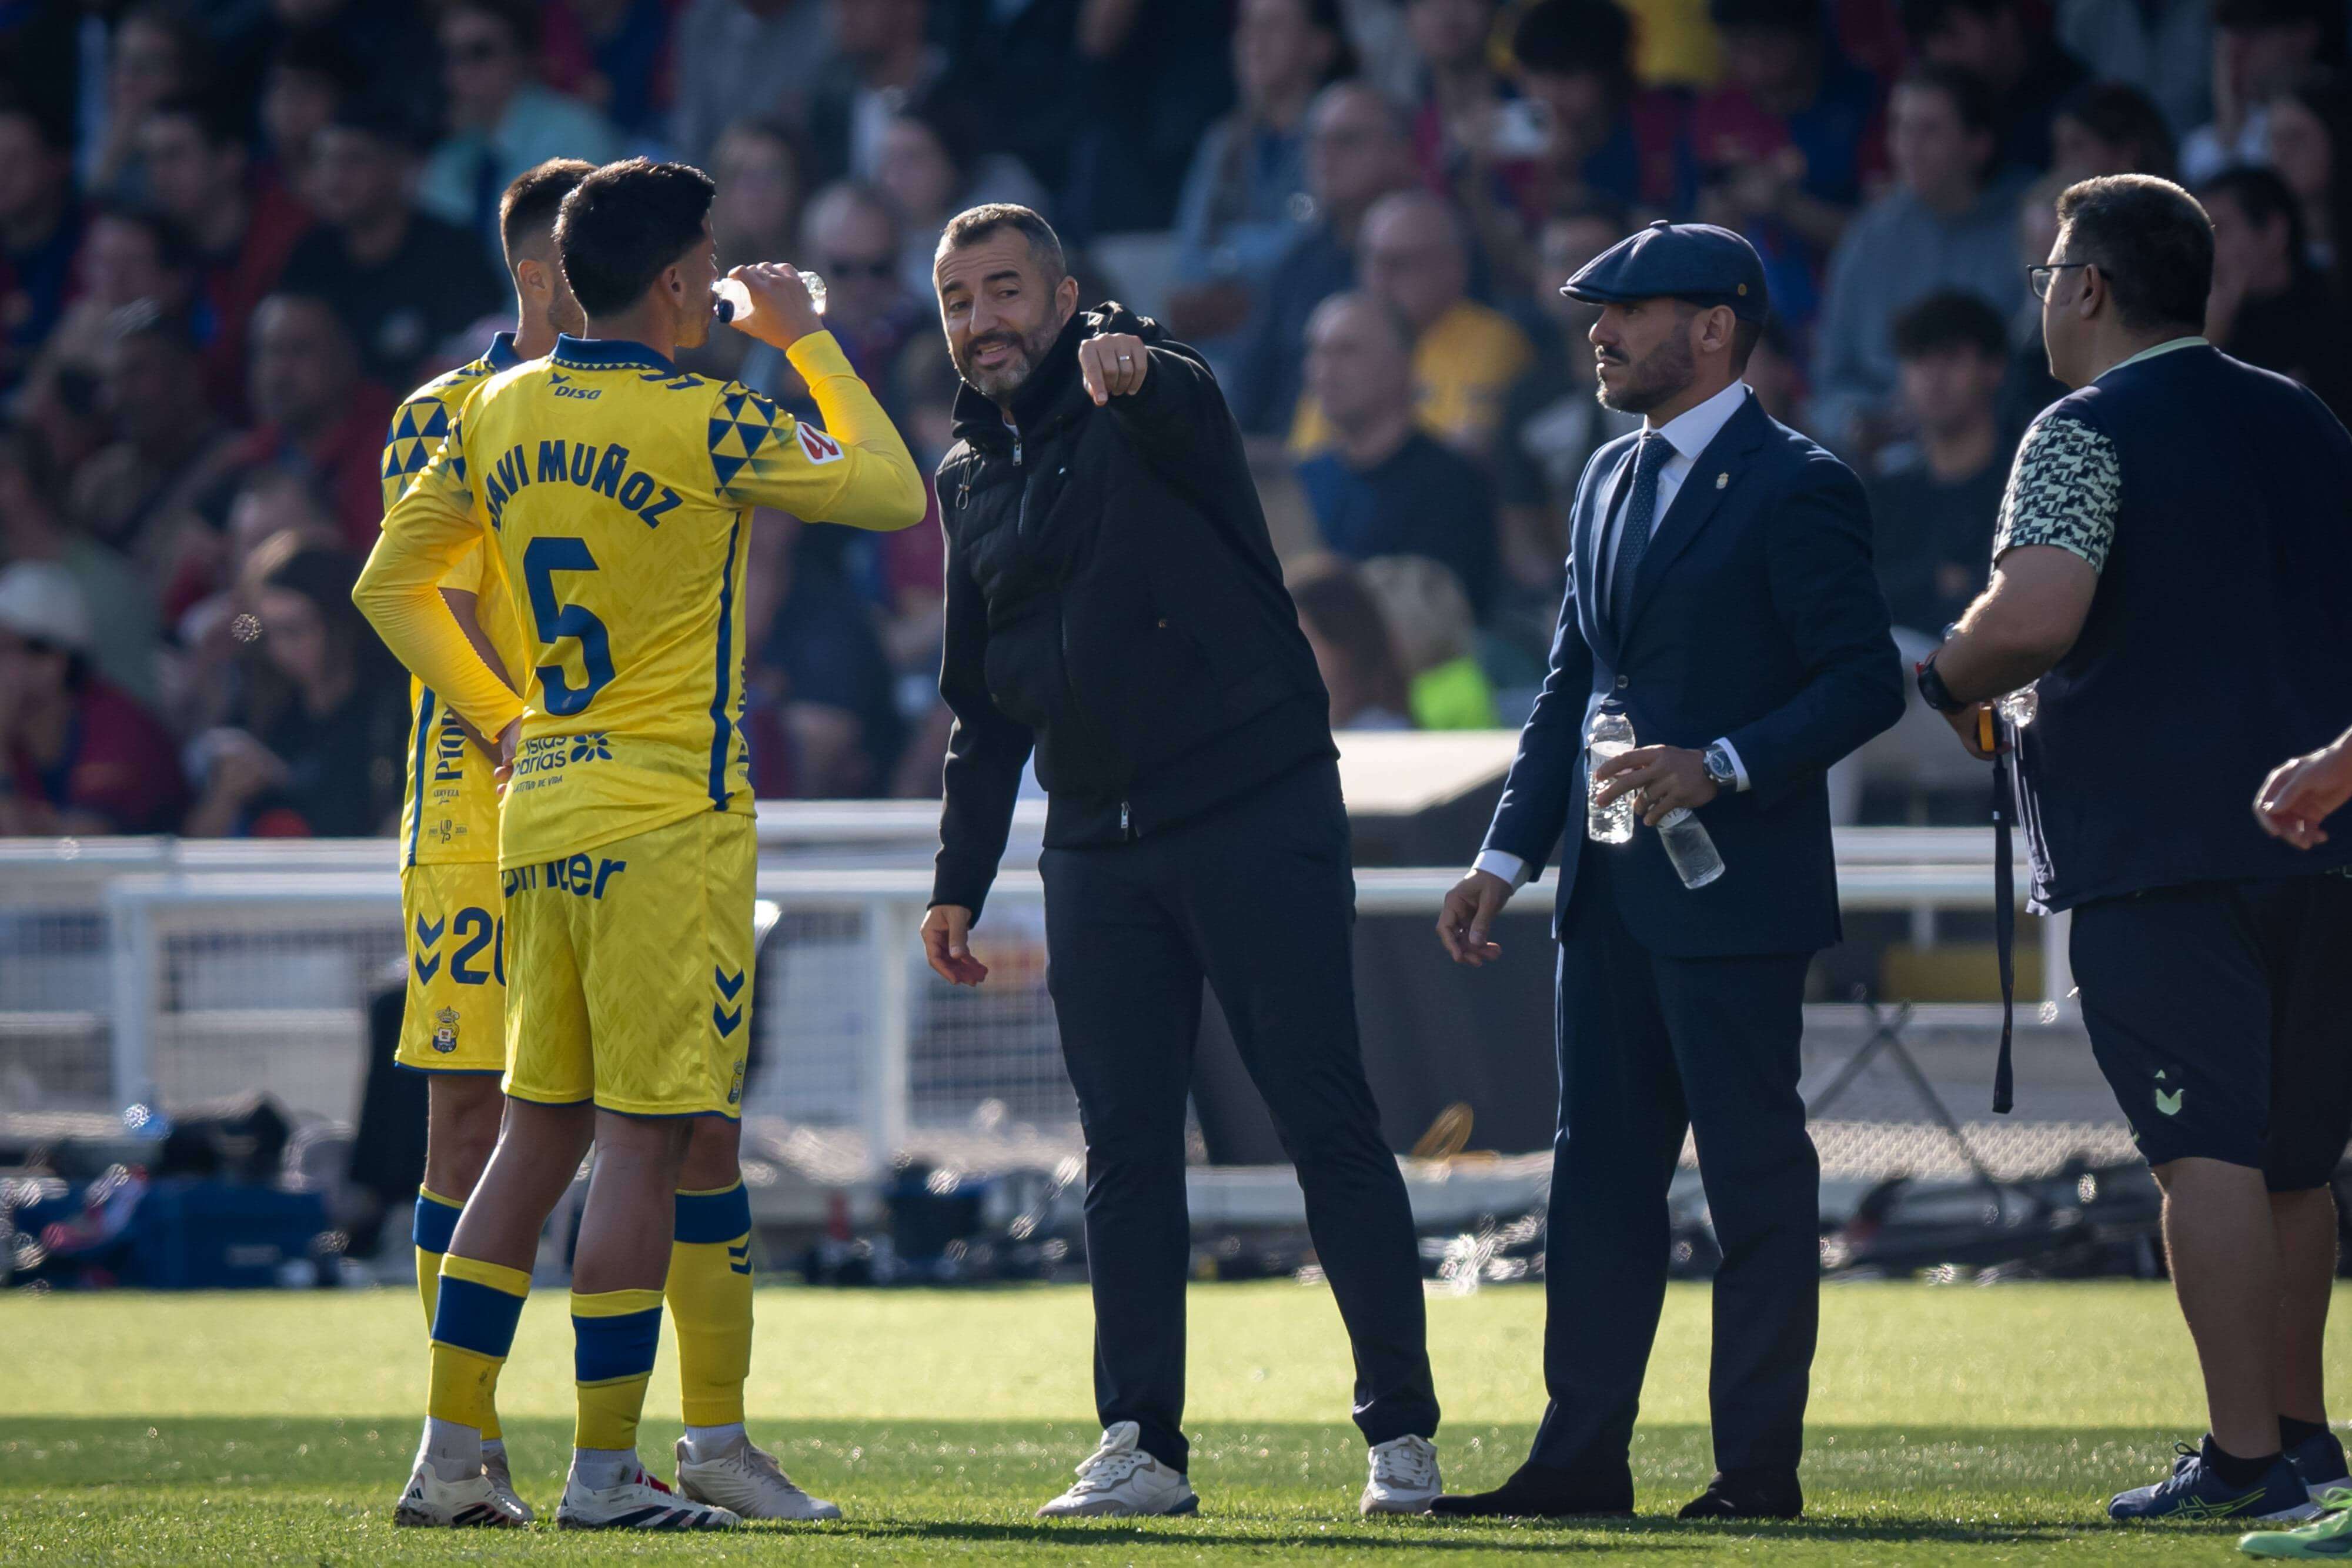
1258 898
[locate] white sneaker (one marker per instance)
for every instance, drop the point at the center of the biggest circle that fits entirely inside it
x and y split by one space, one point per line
1404 1477
1119 1480
473 1503
640 1502
747 1481
502 1480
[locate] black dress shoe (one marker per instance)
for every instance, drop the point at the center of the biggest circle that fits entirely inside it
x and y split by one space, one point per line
1550 1492
1749 1494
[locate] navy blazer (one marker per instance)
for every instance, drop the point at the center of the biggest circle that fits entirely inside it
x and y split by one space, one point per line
1757 617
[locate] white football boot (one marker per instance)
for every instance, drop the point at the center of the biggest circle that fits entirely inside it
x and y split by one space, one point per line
494 1466
1119 1480
1404 1477
640 1502
747 1481
473 1503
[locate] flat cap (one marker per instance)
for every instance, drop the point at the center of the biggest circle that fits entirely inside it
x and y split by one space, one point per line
1697 262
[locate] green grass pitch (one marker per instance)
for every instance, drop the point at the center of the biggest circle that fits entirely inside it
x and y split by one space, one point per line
1949 1426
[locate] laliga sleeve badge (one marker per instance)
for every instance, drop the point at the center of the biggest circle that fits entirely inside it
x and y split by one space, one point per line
445 1033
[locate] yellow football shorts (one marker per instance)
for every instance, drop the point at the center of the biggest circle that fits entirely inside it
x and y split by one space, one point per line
455 1017
631 968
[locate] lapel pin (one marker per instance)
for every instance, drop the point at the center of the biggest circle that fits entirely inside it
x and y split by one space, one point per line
1721 480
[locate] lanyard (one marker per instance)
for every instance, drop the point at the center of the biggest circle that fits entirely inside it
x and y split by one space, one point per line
2004 907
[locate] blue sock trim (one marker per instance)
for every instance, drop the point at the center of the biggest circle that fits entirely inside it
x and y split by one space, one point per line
708 1219
435 1224
473 1316
606 1348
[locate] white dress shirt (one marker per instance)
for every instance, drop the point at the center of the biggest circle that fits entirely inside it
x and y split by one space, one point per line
1688 432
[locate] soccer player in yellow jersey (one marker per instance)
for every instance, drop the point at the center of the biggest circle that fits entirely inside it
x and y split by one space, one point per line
454 912
454 1023
613 491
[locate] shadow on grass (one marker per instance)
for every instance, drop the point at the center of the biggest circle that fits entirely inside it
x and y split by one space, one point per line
972 1483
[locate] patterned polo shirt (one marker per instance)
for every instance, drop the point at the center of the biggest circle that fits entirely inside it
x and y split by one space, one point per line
2066 484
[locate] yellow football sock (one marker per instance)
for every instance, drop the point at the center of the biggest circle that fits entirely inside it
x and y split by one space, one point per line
474 1319
614 1334
709 1297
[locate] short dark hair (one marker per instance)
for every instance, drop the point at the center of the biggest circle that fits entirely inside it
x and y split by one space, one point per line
1801 16
1744 336
317 51
1923 19
174 252
214 121
377 116
2264 197
621 225
1970 97
2149 239
976 223
1575 37
528 209
1947 321
2119 112
45 124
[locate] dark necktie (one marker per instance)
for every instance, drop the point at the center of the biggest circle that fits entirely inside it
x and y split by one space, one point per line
1634 532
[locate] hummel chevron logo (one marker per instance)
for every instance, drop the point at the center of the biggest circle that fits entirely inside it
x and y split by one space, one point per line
727 1021
738 1259
728 987
428 934
425 971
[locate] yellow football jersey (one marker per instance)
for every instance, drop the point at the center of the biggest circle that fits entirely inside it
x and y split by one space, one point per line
449 802
614 490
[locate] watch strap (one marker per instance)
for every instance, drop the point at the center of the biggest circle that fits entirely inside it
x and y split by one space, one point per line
1933 690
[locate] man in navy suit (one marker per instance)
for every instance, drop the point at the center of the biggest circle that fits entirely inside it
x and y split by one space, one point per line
1720 588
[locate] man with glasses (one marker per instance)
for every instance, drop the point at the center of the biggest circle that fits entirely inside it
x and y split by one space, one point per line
2172 574
1414 256
502 118
850 237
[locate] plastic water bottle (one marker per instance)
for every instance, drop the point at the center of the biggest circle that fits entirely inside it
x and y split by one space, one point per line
1690 847
2019 706
734 301
1612 734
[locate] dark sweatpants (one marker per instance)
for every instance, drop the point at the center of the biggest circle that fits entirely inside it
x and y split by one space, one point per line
1650 1046
1259 898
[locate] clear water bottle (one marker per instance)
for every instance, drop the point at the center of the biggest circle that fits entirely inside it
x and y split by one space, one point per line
1690 847
733 301
2019 706
1612 734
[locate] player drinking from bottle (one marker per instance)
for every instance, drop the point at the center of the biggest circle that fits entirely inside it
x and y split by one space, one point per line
613 490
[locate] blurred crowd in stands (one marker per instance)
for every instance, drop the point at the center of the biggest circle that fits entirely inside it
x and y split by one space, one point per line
234 232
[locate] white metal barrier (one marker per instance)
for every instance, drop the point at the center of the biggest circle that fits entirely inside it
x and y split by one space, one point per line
250 966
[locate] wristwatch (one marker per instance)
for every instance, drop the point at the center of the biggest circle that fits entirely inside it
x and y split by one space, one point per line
1718 762
1933 690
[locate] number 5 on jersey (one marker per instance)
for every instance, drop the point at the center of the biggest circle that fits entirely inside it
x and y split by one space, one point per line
541 559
